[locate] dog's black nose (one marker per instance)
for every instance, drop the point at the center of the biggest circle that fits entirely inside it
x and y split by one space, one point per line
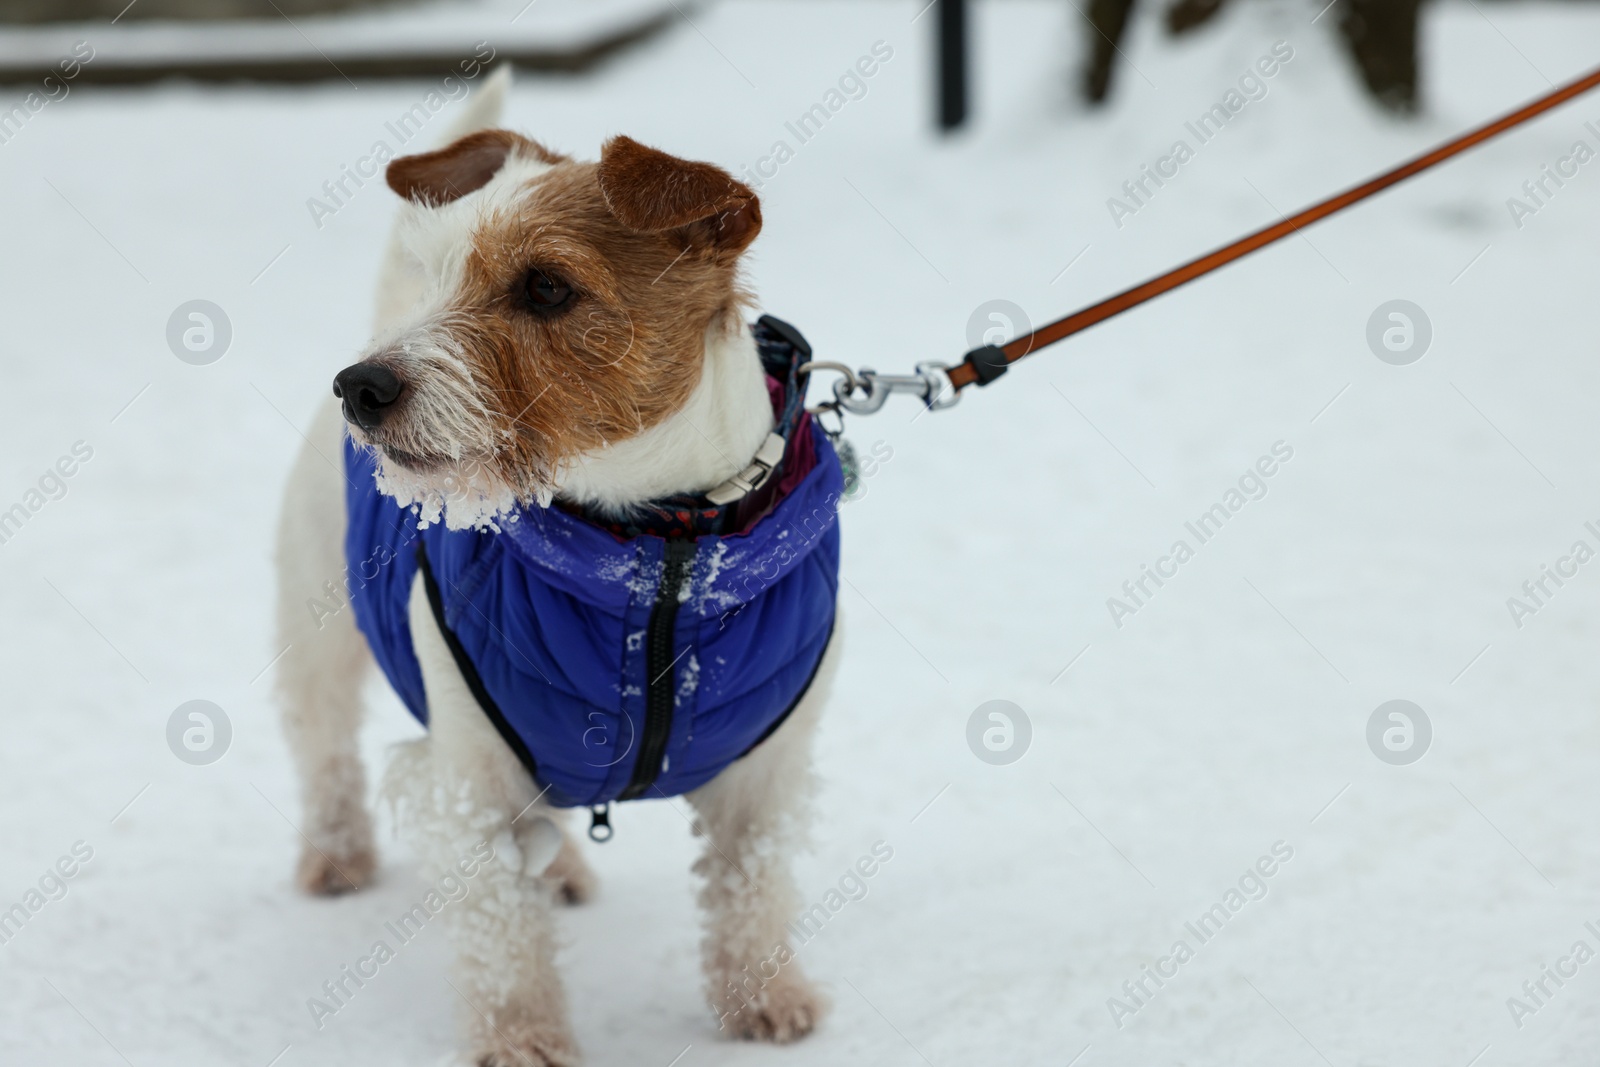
369 391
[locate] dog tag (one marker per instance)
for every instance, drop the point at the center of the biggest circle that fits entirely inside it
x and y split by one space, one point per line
849 465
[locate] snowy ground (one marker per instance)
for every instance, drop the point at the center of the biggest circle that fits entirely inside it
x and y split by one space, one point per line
1227 714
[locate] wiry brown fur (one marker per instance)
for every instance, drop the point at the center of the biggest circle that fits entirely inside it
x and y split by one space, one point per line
465 165
649 245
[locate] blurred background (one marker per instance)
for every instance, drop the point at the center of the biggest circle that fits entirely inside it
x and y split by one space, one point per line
168 158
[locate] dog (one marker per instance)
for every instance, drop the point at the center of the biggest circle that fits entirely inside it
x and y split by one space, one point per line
571 503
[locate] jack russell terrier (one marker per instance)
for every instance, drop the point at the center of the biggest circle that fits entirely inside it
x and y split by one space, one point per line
589 534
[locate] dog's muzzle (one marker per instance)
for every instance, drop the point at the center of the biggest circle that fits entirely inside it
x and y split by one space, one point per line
369 392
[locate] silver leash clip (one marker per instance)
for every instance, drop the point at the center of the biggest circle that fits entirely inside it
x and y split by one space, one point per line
865 391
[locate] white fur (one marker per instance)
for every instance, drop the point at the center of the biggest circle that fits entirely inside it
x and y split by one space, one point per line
401 283
461 786
712 438
446 415
470 788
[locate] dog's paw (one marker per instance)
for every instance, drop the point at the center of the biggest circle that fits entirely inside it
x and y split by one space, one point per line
786 1009
521 1057
575 880
323 873
530 1051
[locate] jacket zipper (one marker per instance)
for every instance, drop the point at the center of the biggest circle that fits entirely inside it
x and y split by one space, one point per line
661 686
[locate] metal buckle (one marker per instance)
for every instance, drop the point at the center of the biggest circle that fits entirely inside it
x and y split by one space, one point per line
752 477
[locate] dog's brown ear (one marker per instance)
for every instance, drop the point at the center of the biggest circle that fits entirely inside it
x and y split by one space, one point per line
458 168
650 191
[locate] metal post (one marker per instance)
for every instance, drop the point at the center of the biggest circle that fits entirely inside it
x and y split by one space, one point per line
952 63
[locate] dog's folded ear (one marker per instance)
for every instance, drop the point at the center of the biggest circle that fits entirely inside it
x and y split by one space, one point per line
651 191
462 166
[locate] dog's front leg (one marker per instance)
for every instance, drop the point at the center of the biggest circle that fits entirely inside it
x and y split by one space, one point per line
753 816
475 795
322 668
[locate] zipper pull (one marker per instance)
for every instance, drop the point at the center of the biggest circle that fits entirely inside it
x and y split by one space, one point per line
600 822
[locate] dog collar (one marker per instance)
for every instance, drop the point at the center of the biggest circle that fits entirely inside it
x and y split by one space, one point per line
738 502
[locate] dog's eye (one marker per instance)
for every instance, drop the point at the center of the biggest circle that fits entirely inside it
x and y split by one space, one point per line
546 292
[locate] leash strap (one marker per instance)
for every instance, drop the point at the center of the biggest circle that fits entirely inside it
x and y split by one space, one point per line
984 365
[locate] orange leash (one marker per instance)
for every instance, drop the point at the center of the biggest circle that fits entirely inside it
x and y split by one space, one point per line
984 365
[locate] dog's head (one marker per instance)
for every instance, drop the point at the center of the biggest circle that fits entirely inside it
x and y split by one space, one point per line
567 307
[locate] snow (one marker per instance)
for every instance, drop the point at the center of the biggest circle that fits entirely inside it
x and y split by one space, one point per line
1168 756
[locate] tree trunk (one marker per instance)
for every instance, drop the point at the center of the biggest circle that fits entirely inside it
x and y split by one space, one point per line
1383 39
1109 18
